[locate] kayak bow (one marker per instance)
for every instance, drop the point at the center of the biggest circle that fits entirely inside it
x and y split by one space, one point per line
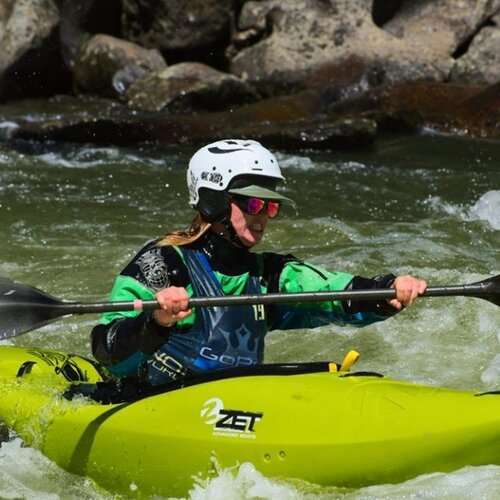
308 422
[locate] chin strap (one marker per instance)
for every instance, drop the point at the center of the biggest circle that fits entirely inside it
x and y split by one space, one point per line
230 233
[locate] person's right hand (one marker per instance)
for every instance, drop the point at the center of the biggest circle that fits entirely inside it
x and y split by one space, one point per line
174 306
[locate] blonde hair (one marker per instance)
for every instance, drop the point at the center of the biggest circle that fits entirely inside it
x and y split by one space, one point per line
196 230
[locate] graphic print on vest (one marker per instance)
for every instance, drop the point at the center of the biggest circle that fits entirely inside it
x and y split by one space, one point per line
154 269
241 348
221 337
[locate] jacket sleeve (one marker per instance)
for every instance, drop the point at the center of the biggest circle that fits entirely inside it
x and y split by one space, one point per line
122 341
296 276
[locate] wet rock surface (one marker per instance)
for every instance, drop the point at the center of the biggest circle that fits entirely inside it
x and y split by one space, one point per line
102 56
310 119
308 72
443 25
300 37
41 119
187 87
287 122
29 55
176 25
481 63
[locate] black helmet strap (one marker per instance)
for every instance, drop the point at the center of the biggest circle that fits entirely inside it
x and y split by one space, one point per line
214 207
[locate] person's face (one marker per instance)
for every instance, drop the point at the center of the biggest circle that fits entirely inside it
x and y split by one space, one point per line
250 228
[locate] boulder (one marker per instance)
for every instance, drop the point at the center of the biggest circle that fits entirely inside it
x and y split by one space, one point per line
342 133
29 24
63 112
187 87
481 62
177 25
29 60
103 56
442 25
467 110
304 120
296 39
5 10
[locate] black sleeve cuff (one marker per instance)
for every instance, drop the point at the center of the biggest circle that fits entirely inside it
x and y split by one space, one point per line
120 339
152 335
382 307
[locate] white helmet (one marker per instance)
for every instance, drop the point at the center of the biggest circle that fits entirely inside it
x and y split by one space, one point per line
214 167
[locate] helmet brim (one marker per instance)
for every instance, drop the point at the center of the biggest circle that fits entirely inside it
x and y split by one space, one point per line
261 192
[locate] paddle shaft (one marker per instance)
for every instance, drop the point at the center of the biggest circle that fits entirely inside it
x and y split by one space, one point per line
476 290
24 308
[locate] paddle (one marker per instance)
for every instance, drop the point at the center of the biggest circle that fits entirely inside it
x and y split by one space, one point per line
24 308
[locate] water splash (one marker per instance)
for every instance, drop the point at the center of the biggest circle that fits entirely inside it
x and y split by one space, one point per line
467 483
293 161
243 482
89 157
25 473
246 482
437 204
487 208
7 129
491 376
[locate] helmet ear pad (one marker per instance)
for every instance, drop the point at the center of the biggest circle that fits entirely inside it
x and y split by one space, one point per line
213 205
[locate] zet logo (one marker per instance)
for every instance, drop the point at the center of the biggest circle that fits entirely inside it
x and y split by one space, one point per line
225 422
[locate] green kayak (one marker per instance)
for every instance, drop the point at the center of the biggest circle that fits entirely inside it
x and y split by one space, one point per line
309 421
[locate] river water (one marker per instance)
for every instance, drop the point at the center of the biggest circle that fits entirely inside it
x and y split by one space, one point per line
71 216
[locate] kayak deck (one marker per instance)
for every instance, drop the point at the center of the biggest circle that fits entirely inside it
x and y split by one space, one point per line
327 428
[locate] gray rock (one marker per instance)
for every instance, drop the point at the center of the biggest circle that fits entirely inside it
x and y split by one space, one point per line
126 76
29 24
298 38
5 9
303 120
188 87
481 63
30 60
441 25
333 133
103 56
176 24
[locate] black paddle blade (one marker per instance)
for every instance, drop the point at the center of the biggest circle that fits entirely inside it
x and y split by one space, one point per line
24 308
491 287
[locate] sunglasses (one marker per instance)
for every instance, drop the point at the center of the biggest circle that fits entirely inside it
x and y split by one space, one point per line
254 206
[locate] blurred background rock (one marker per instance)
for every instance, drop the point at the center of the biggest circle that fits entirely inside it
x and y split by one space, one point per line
292 62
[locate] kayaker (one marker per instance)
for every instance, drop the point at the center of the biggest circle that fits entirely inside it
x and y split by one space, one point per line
233 187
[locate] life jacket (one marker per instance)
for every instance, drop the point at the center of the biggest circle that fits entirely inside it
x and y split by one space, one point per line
221 337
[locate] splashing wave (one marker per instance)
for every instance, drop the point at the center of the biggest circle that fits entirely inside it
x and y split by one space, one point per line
487 208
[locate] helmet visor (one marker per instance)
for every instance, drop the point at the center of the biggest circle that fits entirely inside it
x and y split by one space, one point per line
254 191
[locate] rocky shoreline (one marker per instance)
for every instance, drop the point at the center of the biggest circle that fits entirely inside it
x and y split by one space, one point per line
306 73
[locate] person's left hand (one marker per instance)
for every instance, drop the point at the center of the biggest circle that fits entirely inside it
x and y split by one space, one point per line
408 289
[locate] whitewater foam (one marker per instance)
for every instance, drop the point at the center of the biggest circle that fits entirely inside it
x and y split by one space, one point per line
294 161
25 473
487 208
